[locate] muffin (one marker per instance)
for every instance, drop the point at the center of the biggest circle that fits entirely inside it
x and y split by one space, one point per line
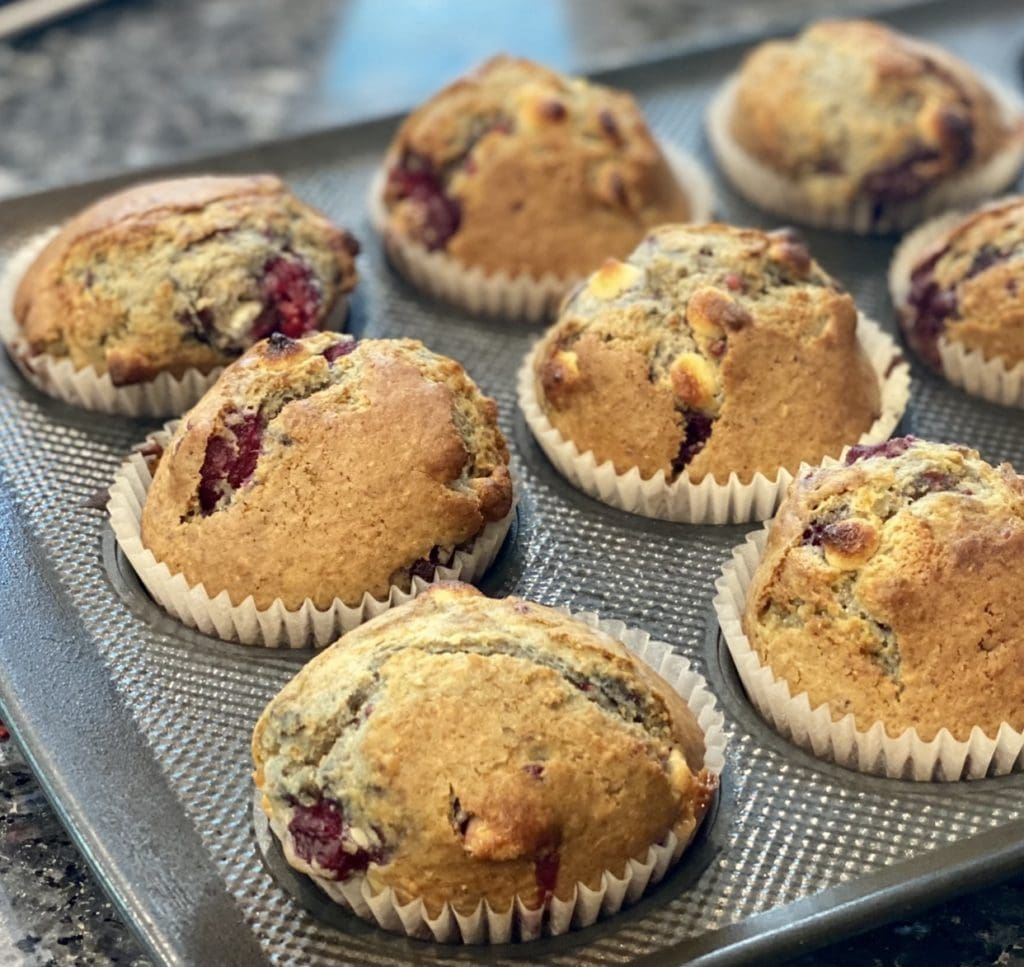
181 275
889 589
959 282
710 351
515 170
324 468
853 125
461 749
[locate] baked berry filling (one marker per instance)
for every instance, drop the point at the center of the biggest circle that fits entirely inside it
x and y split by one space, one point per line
230 460
916 172
934 305
426 567
439 215
890 449
545 869
901 181
320 836
339 349
698 432
292 299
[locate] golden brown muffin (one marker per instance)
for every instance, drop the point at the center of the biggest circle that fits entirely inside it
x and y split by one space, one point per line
324 468
890 588
516 168
854 111
181 274
461 749
968 287
712 349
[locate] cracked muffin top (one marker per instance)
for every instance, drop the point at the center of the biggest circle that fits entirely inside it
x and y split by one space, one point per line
890 588
855 110
460 748
181 274
516 168
711 349
324 468
969 287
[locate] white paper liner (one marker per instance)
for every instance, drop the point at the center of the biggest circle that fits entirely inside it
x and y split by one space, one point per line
944 758
166 395
991 379
522 298
766 188
707 502
276 626
488 926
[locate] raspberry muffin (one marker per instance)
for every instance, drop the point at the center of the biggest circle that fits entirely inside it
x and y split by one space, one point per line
710 351
461 749
959 283
852 125
519 171
181 275
889 589
324 468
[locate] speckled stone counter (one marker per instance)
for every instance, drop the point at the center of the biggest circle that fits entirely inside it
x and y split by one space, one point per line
128 85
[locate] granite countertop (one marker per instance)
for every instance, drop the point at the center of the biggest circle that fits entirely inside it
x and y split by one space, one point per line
128 85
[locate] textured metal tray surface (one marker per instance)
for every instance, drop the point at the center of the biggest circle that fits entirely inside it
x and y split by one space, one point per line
140 728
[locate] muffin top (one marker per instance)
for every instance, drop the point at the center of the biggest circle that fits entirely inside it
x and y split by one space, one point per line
968 287
712 349
324 468
460 748
854 110
516 168
890 588
181 274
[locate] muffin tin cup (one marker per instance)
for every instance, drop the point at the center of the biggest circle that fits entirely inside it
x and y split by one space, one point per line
838 740
991 379
275 626
766 188
166 395
707 502
488 926
522 297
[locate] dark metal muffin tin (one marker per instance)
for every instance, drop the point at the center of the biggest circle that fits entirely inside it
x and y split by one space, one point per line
139 728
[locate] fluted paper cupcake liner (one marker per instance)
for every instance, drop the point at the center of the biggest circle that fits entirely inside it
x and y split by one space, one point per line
991 379
707 502
521 297
766 188
165 395
488 926
838 740
275 626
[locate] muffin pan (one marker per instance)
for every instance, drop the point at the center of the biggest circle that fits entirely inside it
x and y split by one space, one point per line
139 728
